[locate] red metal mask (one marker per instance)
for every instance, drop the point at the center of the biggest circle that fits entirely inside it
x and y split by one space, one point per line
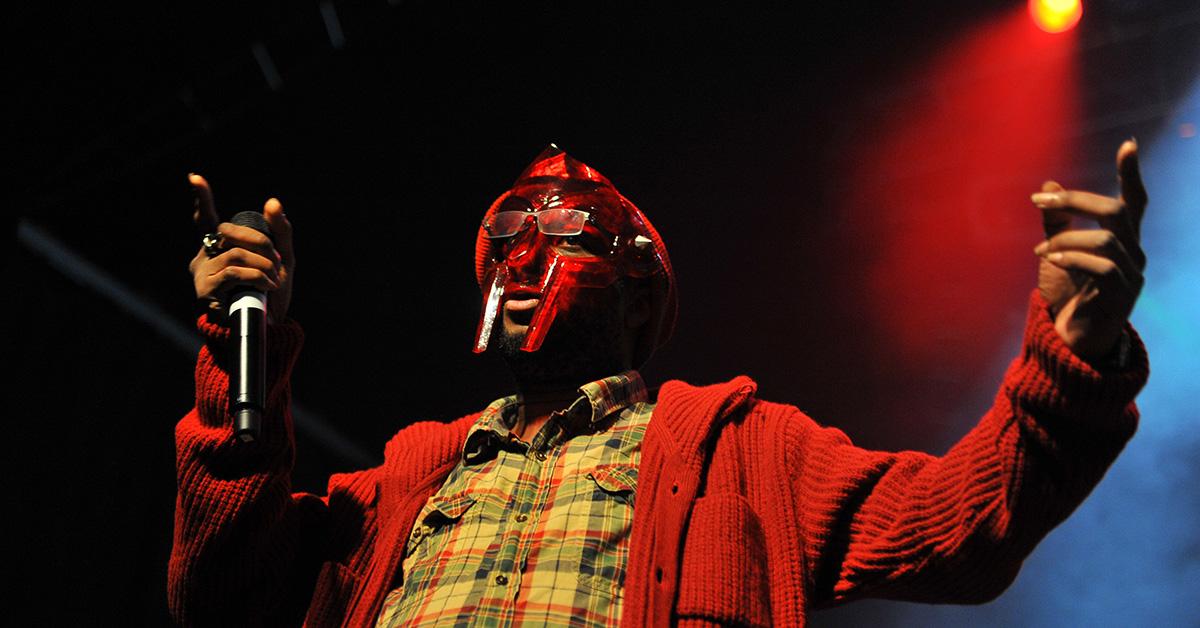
562 232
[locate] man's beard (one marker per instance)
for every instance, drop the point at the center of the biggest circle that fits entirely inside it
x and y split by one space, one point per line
582 345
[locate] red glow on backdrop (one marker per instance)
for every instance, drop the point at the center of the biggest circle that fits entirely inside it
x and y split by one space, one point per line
938 206
1055 16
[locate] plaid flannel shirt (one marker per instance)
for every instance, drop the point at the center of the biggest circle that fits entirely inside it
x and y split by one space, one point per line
535 532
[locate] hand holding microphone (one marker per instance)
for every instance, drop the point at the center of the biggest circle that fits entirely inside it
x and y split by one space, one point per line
245 265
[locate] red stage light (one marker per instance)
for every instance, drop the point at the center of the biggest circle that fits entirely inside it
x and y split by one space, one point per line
1055 16
937 192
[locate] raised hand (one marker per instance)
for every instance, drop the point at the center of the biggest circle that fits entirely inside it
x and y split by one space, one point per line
1092 277
246 256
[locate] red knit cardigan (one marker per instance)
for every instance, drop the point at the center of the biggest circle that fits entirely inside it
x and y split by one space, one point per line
748 511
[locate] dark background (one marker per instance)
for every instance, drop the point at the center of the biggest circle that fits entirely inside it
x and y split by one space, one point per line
726 125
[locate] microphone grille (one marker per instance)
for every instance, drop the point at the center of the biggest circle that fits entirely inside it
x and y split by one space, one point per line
254 220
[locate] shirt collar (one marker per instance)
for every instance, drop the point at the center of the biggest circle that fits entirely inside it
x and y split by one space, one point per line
597 401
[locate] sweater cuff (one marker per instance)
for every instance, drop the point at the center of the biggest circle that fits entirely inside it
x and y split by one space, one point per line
214 365
1052 378
283 338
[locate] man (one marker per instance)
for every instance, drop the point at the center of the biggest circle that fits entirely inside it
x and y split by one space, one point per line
582 500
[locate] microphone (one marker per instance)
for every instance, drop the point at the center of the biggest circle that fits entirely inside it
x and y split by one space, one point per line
248 311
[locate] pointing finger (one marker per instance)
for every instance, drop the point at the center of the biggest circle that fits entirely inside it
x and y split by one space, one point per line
1133 191
204 213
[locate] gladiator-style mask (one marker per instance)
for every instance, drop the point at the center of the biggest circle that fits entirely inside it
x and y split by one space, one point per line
561 230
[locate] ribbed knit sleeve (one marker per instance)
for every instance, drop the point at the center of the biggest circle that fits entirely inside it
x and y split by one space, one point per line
246 550
956 528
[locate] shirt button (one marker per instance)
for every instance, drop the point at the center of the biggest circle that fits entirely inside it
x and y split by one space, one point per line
522 518
502 580
541 455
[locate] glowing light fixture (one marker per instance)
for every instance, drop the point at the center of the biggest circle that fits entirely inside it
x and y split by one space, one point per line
1055 16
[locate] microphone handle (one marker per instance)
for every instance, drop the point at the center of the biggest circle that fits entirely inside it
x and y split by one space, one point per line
248 309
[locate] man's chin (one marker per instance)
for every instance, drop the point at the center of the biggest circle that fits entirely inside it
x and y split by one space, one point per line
575 350
511 336
508 338
512 328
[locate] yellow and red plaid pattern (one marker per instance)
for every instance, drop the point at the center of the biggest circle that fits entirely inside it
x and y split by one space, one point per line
531 533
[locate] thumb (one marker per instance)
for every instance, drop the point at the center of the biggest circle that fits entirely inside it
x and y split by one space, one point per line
281 228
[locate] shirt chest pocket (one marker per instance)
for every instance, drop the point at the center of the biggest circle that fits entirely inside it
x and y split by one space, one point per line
429 550
468 518
598 526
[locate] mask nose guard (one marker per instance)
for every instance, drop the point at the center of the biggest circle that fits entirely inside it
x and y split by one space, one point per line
547 307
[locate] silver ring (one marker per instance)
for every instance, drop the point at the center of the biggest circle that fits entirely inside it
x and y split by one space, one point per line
212 243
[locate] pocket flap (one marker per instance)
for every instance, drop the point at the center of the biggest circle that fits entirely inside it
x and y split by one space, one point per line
615 479
446 508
